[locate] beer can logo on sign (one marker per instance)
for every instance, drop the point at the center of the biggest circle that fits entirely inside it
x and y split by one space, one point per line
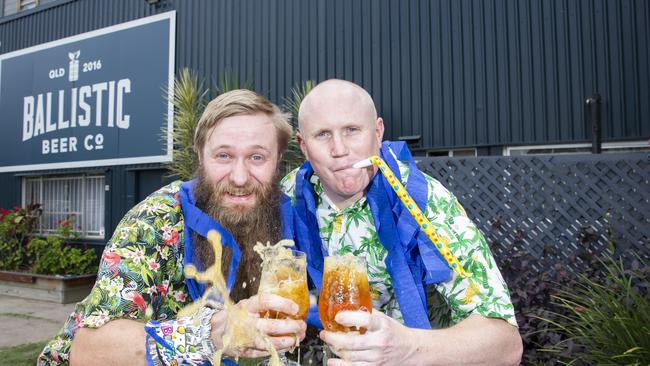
73 71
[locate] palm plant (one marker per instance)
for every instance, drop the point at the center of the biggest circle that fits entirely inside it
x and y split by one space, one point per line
189 100
230 81
604 321
293 157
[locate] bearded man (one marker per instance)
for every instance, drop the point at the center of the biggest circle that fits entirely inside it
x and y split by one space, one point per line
238 141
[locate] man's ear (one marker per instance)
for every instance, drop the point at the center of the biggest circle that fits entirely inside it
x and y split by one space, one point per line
379 130
301 143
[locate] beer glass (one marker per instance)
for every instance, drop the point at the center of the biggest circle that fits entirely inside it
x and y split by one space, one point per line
284 273
345 287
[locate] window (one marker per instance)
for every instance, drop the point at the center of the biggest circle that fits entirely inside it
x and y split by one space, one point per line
62 197
27 4
607 147
8 7
453 152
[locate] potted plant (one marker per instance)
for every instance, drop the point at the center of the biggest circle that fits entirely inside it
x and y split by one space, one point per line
43 268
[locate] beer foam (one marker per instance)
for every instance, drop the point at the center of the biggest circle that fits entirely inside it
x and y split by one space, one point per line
240 332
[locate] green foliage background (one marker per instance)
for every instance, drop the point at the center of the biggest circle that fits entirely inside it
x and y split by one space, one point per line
604 320
19 251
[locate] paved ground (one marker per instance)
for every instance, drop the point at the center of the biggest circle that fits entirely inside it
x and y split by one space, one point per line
28 321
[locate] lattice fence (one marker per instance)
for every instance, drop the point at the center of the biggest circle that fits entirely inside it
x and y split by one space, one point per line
558 206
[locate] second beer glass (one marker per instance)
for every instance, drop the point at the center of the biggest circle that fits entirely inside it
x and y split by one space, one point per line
345 287
284 274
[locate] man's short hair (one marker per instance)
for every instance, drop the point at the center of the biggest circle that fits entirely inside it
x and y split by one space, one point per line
236 103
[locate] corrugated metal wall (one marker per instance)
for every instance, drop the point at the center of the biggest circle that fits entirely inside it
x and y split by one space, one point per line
457 72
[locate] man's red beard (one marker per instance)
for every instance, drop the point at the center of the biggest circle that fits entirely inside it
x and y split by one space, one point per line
247 224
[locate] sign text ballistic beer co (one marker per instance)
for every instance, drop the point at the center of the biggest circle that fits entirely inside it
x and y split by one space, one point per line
89 100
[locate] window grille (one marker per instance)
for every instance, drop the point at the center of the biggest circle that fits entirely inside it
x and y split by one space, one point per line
62 197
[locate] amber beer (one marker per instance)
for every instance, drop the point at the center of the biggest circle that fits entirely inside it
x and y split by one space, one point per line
284 273
286 276
345 287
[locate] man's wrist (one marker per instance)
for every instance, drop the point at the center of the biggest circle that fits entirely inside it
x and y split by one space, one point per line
218 328
413 345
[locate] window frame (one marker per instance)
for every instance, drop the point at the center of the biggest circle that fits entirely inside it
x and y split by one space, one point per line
457 152
607 147
84 233
21 7
14 13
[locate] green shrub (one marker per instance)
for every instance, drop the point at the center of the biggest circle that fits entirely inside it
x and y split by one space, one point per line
604 320
15 225
10 256
19 251
52 256
535 278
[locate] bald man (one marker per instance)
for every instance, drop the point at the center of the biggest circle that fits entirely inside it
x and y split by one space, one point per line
423 313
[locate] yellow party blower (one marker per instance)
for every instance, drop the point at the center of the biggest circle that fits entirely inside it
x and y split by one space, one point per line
413 208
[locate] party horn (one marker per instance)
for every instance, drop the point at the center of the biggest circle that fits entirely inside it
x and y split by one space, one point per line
415 211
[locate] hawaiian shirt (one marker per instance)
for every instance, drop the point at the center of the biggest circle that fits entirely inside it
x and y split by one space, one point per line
140 275
352 230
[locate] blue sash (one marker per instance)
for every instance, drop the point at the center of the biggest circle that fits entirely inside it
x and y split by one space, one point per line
199 222
412 261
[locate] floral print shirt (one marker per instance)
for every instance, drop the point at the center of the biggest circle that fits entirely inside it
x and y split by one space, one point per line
352 230
140 275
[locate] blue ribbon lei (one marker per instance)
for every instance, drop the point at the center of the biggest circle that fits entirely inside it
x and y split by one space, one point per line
198 221
412 261
201 223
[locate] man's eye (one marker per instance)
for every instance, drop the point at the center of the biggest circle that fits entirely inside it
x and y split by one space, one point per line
257 157
223 156
350 130
322 135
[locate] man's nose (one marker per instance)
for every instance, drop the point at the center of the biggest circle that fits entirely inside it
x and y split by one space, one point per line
339 147
239 173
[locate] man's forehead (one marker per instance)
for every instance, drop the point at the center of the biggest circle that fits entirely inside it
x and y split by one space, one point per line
239 145
243 132
333 94
339 99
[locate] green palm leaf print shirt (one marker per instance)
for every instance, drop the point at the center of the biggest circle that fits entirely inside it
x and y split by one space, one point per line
352 230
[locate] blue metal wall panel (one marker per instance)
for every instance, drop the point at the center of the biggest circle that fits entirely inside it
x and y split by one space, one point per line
457 72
